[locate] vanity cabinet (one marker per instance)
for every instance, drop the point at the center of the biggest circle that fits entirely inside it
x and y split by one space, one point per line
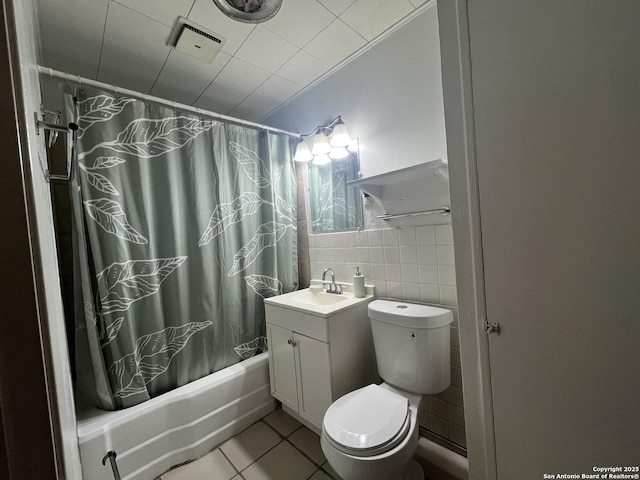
315 359
299 373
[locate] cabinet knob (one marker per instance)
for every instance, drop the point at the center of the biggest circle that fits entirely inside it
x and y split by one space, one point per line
289 341
293 344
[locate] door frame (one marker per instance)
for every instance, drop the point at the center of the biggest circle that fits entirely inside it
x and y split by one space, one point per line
457 85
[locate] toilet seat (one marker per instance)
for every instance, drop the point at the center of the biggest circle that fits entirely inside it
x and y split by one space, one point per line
367 422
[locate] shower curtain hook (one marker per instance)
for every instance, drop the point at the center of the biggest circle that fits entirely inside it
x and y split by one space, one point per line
115 90
79 81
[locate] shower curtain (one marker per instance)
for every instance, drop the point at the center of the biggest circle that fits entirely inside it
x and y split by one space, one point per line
182 226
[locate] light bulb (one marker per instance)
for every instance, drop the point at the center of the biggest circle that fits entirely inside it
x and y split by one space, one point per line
340 136
353 146
320 144
303 153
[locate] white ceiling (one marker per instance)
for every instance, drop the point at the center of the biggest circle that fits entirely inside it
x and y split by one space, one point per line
123 42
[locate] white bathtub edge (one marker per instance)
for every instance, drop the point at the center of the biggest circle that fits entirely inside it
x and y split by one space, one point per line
203 446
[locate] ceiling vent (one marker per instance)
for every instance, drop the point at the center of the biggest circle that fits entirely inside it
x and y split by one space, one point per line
195 41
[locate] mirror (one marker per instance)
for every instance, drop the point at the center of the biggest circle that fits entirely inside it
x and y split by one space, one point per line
333 205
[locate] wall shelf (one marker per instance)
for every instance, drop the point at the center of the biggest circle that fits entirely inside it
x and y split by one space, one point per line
375 185
407 195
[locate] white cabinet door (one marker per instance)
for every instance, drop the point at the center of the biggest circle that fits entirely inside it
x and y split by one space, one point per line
314 378
282 365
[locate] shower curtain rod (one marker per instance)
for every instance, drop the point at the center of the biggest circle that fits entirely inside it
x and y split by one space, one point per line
142 96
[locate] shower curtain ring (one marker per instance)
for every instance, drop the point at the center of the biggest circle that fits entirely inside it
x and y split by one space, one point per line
115 90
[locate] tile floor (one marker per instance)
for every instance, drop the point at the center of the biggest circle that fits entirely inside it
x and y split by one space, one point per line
277 447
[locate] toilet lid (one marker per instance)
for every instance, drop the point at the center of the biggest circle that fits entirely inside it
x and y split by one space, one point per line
369 419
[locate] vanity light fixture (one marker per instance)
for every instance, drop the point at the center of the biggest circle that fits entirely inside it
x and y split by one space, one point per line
320 144
330 142
338 153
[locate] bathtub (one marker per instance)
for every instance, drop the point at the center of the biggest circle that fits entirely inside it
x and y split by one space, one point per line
178 426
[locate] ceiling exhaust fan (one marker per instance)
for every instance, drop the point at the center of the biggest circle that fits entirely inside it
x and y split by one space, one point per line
249 11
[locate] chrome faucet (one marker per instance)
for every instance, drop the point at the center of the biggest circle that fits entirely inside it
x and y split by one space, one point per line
332 286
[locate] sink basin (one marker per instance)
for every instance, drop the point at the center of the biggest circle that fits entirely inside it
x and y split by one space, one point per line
306 297
319 304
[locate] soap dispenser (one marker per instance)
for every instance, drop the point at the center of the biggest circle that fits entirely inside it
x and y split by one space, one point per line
358 284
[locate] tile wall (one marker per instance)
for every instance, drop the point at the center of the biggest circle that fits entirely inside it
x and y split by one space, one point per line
413 264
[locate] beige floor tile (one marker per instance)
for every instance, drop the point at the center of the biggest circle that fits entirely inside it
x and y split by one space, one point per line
309 443
327 468
282 422
320 475
249 445
282 463
212 466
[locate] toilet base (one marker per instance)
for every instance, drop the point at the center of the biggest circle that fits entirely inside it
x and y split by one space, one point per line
414 471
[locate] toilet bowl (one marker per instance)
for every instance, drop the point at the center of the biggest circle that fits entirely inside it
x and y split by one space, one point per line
372 433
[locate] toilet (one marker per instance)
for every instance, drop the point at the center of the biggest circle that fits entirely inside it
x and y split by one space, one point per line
372 433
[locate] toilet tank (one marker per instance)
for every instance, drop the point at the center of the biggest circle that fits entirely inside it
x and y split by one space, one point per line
412 345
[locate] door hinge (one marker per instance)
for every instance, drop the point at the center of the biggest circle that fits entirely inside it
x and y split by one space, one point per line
492 328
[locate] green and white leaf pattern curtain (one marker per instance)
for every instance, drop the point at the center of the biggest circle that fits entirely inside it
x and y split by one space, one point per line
183 226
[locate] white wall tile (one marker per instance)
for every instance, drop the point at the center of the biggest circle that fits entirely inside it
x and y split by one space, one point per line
375 238
394 273
428 274
409 273
427 255
456 377
378 271
390 237
362 255
362 239
349 239
381 288
455 337
376 254
350 255
407 236
439 426
429 293
333 255
444 235
409 255
445 255
411 292
391 255
447 275
449 296
335 240
426 235
394 290
458 435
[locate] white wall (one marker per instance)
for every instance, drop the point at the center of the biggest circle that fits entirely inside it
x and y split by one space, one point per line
54 334
556 110
390 97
